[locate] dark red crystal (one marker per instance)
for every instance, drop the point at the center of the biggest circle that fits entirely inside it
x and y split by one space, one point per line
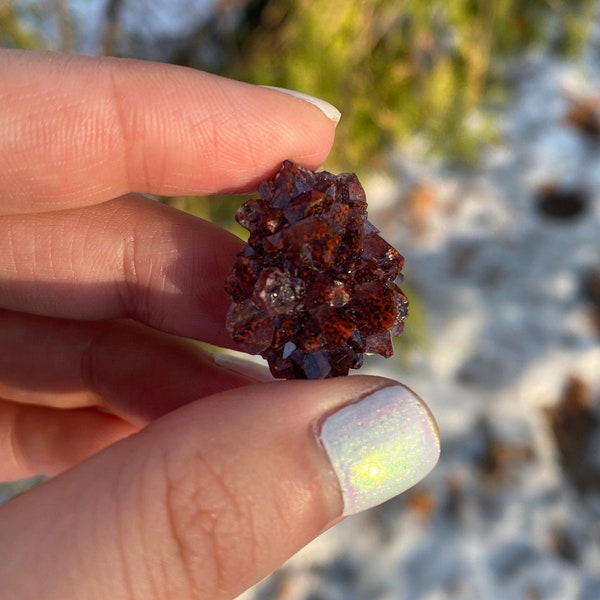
316 286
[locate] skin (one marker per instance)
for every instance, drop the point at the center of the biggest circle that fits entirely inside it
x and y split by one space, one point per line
174 478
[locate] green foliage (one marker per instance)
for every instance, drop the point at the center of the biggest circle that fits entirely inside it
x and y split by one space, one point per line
219 209
414 338
14 33
397 69
10 490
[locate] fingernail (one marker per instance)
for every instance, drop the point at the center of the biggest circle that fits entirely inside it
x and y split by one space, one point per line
380 446
330 111
243 367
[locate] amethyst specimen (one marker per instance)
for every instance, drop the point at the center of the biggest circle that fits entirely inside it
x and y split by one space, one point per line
315 286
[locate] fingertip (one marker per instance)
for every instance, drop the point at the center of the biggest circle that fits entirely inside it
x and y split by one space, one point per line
132 126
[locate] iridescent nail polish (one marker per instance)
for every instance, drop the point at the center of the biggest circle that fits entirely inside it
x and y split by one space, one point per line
380 446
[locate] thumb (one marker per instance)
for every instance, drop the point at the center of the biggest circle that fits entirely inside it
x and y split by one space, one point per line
209 499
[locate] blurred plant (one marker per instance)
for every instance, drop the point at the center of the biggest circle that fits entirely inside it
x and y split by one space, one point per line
9 490
14 32
397 69
219 209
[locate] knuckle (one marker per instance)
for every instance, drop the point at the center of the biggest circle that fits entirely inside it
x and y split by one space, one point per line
140 281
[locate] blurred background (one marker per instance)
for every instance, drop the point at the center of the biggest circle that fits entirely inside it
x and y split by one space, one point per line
475 128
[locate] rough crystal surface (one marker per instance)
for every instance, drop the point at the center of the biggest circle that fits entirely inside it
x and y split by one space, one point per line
316 286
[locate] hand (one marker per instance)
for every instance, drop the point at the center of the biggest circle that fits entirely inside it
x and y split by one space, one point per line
176 478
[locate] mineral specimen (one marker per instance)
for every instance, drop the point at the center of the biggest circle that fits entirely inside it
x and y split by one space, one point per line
316 286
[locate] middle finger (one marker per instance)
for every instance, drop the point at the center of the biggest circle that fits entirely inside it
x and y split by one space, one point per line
130 257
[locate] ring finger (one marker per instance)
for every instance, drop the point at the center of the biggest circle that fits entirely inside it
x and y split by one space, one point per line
122 366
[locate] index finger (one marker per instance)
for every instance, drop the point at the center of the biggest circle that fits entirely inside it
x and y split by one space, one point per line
77 130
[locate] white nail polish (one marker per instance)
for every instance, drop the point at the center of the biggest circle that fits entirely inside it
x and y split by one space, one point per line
330 111
380 446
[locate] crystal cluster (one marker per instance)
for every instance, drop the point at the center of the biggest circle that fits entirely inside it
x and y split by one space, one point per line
315 287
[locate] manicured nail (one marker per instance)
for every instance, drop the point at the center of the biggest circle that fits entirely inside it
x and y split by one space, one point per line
330 111
243 367
380 446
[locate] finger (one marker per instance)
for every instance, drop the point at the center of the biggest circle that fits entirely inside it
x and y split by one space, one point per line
130 257
135 372
78 130
36 440
211 498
